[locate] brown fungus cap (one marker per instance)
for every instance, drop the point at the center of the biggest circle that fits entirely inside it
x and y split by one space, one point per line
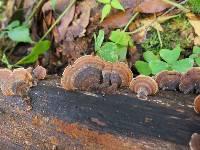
144 86
190 81
195 142
168 80
124 73
4 74
197 104
83 74
39 72
18 80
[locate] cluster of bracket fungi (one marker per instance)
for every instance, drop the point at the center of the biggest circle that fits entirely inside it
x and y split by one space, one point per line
19 81
90 73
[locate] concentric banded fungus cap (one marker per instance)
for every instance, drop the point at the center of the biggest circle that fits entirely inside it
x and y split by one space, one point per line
106 72
39 72
195 142
19 80
190 81
124 73
168 80
144 86
4 74
83 74
197 104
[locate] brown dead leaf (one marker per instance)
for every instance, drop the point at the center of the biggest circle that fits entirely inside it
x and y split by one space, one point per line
197 41
71 50
120 19
60 5
117 20
66 20
81 20
195 22
146 6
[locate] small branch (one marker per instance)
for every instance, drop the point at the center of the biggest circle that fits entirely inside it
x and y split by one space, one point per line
130 21
176 5
159 37
34 11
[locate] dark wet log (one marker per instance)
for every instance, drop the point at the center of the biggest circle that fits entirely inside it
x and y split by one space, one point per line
68 120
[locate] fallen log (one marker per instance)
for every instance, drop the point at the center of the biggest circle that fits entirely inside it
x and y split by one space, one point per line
78 120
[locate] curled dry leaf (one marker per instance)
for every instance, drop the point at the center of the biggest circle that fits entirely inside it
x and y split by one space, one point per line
90 72
195 22
143 86
195 142
81 20
65 21
168 80
190 81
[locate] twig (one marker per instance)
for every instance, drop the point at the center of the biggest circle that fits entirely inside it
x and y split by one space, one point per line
153 21
130 21
159 37
58 19
176 5
34 11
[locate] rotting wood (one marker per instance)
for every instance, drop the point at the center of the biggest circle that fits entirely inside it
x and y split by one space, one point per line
74 120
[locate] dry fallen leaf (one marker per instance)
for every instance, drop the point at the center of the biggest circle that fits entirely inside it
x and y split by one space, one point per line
81 20
65 22
117 20
146 6
60 5
195 22
197 41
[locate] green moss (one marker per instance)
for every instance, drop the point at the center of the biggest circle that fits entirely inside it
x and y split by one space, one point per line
176 31
195 5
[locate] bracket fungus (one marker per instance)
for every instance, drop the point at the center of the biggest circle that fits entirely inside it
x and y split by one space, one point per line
144 86
90 73
190 81
168 80
197 104
4 74
195 142
18 83
39 73
83 74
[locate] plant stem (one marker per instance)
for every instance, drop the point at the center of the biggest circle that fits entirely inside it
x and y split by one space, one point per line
58 19
130 21
160 39
35 10
159 19
176 5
